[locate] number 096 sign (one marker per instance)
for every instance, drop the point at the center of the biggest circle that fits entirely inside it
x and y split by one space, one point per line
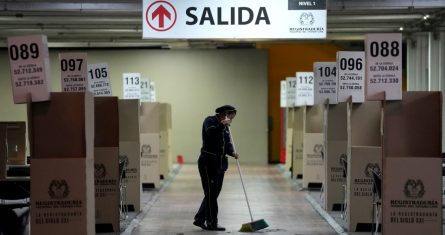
29 66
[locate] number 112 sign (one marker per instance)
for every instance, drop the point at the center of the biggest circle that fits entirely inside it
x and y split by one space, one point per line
29 65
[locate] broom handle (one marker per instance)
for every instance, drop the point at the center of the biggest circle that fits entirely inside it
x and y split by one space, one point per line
241 176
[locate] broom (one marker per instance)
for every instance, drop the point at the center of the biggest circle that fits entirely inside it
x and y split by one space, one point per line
253 225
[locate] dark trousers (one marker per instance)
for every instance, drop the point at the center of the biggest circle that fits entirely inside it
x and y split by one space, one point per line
212 180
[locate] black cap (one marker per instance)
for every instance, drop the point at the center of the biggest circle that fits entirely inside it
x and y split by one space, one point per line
226 108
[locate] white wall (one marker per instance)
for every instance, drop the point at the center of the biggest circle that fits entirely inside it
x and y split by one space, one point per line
195 82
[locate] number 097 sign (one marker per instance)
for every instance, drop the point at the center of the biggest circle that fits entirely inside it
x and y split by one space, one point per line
29 65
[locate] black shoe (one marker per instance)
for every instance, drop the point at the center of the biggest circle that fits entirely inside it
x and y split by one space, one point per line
200 224
215 228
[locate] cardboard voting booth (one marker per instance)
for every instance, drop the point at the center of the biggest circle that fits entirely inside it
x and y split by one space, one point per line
15 142
313 140
412 198
156 120
336 139
106 164
289 128
364 156
297 142
150 122
165 154
62 171
129 148
2 152
150 165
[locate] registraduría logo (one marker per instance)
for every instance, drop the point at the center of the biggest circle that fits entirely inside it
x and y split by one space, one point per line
307 19
414 188
58 189
372 167
99 170
146 148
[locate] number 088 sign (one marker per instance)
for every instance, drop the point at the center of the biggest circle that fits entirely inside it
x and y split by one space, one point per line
384 66
29 66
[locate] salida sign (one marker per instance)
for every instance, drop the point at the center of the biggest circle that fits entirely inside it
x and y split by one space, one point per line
234 19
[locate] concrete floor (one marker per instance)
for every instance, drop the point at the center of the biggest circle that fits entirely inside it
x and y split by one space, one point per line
272 198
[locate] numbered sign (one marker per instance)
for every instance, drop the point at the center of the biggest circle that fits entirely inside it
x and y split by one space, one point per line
383 66
98 80
325 86
305 88
351 76
291 89
132 85
73 67
29 66
283 94
145 90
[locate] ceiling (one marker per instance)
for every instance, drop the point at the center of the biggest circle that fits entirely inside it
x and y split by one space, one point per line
100 23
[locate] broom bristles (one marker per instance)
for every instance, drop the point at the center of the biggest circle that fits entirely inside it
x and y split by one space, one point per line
254 226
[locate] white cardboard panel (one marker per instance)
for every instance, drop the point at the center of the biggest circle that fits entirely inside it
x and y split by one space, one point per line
150 164
130 150
412 198
359 183
313 168
62 199
333 187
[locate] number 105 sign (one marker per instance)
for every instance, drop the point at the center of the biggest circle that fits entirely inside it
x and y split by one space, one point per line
29 66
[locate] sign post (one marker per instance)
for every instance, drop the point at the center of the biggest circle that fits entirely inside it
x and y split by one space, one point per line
29 66
73 67
234 19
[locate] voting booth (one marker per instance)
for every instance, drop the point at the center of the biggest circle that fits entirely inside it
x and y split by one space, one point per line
297 142
364 155
289 130
3 152
62 172
129 146
313 140
150 119
165 138
412 175
336 139
106 164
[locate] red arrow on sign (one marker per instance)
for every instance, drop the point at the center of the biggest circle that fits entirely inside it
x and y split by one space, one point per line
161 12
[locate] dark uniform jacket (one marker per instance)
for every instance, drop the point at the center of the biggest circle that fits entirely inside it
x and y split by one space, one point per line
215 144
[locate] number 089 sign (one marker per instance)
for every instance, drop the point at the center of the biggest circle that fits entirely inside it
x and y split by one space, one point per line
29 66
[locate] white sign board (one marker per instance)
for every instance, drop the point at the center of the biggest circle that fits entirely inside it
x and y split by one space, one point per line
152 91
351 76
132 85
98 80
234 19
291 89
325 86
73 67
283 94
145 90
29 66
305 88
383 66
